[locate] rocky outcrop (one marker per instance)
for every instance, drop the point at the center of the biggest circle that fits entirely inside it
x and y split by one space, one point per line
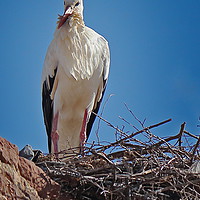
21 178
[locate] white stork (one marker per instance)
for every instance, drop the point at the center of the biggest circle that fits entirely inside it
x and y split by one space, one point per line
74 78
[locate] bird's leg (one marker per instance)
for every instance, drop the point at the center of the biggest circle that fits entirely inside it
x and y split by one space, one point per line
83 136
54 133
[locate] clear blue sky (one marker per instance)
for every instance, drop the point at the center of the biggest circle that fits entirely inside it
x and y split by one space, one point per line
155 63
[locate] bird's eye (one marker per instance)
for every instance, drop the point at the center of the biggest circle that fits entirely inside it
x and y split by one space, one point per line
77 3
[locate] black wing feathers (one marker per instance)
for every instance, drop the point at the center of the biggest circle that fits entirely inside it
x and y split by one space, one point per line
93 116
47 106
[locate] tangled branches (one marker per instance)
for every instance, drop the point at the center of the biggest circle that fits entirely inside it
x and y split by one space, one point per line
131 168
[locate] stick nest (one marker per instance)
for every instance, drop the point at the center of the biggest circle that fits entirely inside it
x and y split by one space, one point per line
137 166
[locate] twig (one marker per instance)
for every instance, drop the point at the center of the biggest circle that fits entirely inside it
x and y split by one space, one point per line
129 123
98 125
140 122
181 133
106 159
167 139
195 149
133 134
191 135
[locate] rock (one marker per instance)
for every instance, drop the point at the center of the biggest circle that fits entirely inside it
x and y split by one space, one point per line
21 178
27 152
30 154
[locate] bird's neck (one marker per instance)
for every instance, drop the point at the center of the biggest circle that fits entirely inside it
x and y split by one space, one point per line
72 28
76 20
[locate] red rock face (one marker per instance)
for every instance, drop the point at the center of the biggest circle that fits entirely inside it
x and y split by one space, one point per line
21 178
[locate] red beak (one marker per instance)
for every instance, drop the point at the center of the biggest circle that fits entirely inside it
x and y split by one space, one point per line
67 13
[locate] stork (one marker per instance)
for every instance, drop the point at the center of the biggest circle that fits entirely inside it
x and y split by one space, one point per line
74 79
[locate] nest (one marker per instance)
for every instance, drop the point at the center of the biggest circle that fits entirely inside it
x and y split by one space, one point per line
138 166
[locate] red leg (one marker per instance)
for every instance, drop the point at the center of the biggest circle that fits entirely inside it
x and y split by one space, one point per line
83 136
54 133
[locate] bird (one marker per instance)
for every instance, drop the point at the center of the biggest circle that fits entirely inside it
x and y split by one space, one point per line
74 78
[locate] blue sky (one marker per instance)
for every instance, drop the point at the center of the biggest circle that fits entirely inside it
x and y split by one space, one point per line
155 64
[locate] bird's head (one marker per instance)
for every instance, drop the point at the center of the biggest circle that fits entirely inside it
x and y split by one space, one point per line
71 8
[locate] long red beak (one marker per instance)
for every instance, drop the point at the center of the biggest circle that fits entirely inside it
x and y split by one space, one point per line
67 13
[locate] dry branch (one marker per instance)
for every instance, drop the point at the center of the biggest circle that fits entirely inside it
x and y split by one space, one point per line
137 169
